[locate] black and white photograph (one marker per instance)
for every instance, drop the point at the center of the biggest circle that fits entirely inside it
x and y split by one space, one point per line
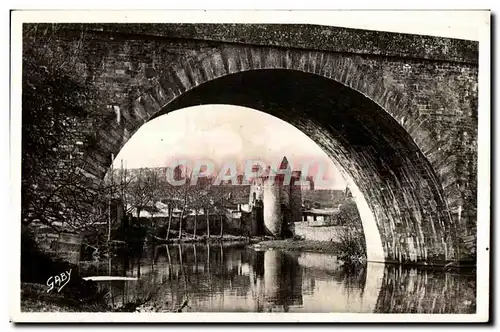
174 165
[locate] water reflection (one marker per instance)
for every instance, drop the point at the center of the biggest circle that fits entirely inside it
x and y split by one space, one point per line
232 278
428 291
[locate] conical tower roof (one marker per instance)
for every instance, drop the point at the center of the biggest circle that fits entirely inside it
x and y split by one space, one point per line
284 163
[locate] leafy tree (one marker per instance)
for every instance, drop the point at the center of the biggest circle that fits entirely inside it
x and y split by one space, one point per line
349 215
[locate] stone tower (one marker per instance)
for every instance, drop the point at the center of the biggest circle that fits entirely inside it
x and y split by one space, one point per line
272 208
280 198
296 196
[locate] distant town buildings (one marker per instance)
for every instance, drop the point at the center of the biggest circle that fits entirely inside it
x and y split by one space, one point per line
259 207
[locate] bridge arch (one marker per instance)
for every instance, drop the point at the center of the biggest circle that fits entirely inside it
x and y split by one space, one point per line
363 122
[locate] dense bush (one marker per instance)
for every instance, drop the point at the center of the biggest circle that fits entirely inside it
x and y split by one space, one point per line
352 237
352 246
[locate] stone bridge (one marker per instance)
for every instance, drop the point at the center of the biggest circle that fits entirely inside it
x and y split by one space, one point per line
396 113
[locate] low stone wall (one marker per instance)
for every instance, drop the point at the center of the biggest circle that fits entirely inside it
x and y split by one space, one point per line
318 233
65 246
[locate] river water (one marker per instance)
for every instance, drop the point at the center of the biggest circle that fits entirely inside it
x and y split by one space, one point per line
235 278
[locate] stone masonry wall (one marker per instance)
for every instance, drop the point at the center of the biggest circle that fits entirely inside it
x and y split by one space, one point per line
431 96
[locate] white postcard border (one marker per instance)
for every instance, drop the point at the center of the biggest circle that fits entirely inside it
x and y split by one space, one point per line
475 27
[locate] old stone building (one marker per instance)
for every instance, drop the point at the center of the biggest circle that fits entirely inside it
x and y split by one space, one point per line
279 193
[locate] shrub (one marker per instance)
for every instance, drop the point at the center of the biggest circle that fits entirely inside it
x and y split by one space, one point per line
352 245
298 238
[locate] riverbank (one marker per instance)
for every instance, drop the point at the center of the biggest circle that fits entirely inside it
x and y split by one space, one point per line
34 298
298 245
204 239
83 296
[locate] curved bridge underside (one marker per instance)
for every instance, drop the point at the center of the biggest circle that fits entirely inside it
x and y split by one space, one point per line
407 219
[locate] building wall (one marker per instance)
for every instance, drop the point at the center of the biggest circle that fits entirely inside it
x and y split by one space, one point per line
295 200
321 233
257 188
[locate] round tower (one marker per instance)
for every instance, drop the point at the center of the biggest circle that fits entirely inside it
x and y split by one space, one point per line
272 208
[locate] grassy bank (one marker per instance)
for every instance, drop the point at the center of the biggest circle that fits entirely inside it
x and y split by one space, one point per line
34 298
299 245
187 238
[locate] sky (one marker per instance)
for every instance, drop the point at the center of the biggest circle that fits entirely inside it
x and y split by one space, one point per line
223 134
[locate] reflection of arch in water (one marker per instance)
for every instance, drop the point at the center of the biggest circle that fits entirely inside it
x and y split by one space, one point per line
337 288
371 291
424 290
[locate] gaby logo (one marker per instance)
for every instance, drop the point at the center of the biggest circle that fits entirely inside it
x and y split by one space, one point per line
59 281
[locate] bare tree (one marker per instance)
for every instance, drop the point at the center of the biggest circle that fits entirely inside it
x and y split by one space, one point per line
169 195
185 200
177 197
207 202
143 190
63 197
213 200
207 207
223 211
200 199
